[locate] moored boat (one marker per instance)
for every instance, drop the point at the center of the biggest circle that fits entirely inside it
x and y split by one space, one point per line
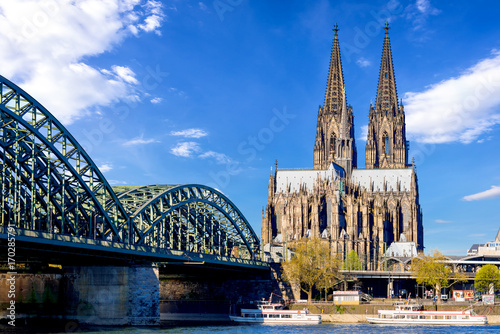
414 314
273 313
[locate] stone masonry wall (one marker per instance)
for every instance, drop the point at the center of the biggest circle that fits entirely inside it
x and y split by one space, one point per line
100 295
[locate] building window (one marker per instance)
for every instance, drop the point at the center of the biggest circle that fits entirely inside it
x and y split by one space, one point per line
385 143
332 146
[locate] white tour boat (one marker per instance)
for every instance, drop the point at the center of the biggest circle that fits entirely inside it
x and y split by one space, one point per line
272 313
414 314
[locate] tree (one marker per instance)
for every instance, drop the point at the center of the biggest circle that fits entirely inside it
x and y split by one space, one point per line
353 262
311 266
432 270
487 276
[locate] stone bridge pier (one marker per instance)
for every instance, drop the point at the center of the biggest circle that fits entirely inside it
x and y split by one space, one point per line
110 295
99 295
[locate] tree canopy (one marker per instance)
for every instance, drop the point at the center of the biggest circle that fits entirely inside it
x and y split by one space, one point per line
353 262
487 276
431 270
312 266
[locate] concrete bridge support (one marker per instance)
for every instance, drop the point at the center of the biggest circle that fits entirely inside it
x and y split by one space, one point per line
100 295
111 295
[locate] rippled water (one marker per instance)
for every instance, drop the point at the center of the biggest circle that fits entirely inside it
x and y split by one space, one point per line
292 329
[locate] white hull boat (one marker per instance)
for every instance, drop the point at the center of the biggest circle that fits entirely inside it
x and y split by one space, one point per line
269 313
412 314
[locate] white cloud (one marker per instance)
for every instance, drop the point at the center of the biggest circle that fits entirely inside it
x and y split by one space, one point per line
185 149
363 133
220 158
45 44
190 133
441 221
417 13
425 7
139 141
487 194
117 182
104 168
362 62
457 109
156 100
125 74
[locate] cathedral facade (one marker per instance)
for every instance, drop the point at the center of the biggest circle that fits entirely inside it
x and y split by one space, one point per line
351 208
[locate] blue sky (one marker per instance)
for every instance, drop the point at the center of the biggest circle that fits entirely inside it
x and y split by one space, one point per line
212 92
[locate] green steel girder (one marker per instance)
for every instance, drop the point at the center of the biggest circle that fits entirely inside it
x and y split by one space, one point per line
49 184
158 212
53 167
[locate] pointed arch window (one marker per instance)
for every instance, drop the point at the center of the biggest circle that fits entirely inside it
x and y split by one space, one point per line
332 145
385 143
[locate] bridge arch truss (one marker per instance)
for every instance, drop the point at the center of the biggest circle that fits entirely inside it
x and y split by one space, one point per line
49 184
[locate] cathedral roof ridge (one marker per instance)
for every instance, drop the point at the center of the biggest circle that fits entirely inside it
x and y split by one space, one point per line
298 169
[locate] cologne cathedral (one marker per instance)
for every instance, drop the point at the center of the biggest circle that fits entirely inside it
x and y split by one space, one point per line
351 208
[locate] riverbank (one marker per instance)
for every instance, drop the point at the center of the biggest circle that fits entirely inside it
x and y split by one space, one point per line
358 313
214 313
361 318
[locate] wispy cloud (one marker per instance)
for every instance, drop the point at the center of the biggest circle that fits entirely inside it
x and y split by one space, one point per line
185 149
60 63
418 13
362 62
457 109
441 221
117 182
140 141
156 100
202 6
190 133
220 158
487 194
124 73
104 168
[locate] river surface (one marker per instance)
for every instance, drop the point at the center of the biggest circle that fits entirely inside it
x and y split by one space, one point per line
290 329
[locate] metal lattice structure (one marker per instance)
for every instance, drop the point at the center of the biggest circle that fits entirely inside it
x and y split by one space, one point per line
192 217
50 185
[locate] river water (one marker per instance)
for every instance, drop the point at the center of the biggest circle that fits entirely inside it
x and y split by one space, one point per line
291 329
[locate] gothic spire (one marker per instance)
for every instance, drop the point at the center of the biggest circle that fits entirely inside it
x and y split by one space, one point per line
387 99
335 96
386 145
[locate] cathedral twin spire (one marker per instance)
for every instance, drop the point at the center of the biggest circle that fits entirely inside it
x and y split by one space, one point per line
386 145
335 129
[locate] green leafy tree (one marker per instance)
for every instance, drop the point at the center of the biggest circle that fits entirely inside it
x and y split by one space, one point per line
432 271
311 266
487 276
353 262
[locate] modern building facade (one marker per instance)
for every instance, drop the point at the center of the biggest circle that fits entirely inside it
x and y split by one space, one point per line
351 208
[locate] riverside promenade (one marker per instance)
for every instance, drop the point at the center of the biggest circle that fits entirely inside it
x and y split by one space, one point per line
358 313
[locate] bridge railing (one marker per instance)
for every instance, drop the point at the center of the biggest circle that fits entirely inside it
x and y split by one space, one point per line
148 251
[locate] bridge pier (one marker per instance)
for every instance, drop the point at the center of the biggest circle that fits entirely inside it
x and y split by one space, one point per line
97 295
113 295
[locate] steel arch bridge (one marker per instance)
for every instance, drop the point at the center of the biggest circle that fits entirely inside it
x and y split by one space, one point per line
51 189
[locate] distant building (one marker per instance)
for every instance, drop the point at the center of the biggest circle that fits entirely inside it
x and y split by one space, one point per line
365 210
490 248
473 250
